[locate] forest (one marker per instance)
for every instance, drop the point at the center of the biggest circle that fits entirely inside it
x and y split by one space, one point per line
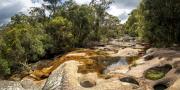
30 38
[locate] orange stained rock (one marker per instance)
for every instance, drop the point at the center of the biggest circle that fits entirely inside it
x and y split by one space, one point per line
83 56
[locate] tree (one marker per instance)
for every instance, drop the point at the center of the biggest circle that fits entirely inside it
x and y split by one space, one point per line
59 29
53 5
100 7
19 18
156 21
25 43
4 64
37 15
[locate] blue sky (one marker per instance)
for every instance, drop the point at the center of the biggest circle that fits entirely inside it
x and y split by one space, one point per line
119 8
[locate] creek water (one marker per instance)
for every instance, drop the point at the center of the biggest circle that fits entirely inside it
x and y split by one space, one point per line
115 65
122 61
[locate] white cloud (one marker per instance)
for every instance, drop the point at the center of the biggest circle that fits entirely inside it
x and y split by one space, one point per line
82 1
122 13
119 8
122 8
8 8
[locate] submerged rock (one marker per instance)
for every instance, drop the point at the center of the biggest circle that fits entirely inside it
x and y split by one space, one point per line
156 73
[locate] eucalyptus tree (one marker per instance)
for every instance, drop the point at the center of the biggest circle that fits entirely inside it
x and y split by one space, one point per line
52 5
37 15
100 7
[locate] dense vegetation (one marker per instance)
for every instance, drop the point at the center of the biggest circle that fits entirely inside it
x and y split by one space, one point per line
156 22
27 38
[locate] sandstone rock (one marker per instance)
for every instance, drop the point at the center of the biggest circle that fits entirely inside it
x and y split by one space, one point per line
10 85
139 70
128 52
65 77
151 50
118 70
87 83
175 86
29 83
59 79
75 54
148 56
40 64
139 61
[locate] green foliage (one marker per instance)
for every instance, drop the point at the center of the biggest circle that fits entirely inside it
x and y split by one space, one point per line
4 67
82 18
4 64
60 30
156 21
25 43
89 22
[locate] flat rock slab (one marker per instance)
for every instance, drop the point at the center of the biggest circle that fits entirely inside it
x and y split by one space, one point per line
65 77
10 85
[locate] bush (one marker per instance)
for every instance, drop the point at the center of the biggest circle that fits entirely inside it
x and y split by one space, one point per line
25 43
60 31
4 67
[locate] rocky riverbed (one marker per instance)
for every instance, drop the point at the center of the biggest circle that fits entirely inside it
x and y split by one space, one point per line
119 65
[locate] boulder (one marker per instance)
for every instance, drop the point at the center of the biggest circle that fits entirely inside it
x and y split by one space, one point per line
29 83
61 78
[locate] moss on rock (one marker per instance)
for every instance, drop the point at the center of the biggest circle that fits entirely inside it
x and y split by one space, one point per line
154 74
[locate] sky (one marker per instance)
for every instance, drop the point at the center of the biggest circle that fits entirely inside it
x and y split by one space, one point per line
8 8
